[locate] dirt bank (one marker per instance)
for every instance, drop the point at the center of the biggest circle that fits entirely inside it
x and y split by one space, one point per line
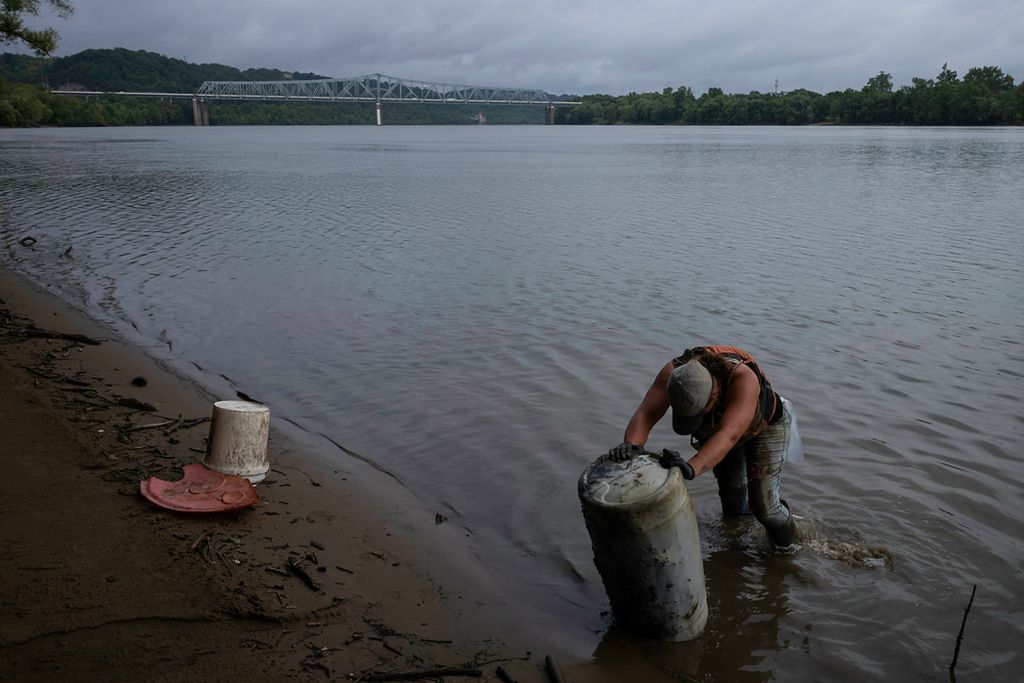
100 584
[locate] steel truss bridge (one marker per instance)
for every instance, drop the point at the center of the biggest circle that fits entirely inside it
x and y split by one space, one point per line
377 88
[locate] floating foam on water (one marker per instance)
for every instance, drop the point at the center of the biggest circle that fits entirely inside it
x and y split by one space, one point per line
745 534
855 554
852 551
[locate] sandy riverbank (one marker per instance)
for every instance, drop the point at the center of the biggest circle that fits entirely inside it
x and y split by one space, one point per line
100 584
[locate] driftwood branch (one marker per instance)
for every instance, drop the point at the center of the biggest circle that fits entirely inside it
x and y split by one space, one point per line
426 673
37 371
38 333
135 404
152 425
963 625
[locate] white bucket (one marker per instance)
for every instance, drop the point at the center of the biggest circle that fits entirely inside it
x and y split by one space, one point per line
239 431
646 547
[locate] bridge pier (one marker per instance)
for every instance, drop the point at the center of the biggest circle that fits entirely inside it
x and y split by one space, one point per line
549 115
380 113
200 112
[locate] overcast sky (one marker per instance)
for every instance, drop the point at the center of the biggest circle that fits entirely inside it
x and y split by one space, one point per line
570 46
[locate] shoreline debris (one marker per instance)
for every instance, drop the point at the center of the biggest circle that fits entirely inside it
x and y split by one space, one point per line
425 673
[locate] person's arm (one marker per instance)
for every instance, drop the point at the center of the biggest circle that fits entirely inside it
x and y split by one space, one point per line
650 410
740 405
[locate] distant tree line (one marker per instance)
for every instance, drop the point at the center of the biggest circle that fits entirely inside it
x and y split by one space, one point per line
364 113
28 106
985 96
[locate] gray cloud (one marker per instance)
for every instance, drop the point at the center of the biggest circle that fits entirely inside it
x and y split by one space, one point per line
575 46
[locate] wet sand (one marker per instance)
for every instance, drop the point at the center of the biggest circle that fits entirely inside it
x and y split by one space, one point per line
100 584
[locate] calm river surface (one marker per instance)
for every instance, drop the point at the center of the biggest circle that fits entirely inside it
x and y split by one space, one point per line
478 310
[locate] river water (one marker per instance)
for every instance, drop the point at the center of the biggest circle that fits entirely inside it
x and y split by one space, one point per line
478 310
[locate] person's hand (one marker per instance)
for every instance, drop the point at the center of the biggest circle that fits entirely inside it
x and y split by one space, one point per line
670 459
624 451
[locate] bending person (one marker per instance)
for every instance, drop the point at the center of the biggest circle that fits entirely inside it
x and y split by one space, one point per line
740 427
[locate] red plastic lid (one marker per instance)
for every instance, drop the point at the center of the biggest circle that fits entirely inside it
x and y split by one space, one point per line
201 490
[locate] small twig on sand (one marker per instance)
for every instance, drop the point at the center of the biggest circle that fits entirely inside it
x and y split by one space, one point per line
296 569
524 658
426 673
334 603
192 422
960 636
153 425
504 675
199 542
85 391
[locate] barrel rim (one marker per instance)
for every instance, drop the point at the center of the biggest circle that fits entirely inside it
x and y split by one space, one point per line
672 478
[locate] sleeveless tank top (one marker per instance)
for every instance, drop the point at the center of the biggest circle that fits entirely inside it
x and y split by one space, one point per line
768 401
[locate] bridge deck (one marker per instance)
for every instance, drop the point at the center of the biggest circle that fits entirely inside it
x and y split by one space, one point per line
371 88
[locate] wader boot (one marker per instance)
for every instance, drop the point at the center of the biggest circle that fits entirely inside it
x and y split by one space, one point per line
786 535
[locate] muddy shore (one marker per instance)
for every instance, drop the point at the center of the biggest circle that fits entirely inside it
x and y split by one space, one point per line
100 584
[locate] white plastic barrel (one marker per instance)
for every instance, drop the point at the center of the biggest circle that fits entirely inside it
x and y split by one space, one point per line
237 444
646 547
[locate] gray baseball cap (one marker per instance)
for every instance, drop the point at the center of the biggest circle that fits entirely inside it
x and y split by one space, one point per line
689 389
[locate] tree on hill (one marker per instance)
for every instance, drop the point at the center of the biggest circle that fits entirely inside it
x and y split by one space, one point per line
880 83
13 29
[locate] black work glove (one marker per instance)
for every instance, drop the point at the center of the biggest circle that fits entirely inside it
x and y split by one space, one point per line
624 451
670 459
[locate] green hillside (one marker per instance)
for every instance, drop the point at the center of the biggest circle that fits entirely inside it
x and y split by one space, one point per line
129 70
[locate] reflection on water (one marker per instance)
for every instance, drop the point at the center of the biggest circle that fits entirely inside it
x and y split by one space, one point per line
478 310
748 625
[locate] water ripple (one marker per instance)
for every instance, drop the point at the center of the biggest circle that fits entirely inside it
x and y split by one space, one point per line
482 309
